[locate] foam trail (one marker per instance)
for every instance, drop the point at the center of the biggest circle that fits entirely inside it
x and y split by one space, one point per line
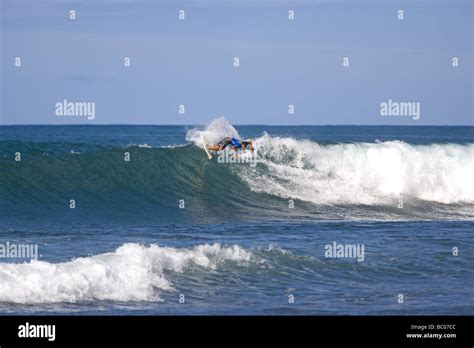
362 173
133 272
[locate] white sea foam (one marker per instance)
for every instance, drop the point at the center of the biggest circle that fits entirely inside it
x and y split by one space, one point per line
362 173
175 146
142 146
213 133
133 272
355 173
146 146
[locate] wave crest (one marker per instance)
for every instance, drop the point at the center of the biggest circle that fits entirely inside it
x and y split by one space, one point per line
362 173
133 272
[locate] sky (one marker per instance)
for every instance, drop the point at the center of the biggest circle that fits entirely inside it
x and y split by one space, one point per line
190 62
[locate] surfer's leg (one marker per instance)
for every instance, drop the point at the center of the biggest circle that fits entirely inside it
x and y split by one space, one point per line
247 145
213 147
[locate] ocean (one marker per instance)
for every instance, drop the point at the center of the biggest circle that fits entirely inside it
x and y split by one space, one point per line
322 220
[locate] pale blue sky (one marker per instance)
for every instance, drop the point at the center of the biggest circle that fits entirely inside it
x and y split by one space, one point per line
282 62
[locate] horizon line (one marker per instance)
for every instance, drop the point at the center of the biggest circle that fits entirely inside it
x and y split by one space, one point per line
238 124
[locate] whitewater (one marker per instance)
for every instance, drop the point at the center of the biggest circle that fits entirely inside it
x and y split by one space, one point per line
132 272
353 173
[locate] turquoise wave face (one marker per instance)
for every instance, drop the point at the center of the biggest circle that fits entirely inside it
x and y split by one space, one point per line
168 183
178 183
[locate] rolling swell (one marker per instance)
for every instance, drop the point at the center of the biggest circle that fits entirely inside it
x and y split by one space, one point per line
333 181
101 181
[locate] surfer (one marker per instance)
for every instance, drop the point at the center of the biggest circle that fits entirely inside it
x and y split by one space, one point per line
234 142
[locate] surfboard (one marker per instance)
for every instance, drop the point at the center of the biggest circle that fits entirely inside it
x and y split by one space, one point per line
205 148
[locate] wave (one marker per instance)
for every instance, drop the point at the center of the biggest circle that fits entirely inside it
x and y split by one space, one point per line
133 272
354 173
363 173
323 177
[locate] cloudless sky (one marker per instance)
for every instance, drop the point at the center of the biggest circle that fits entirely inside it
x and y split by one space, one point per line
282 61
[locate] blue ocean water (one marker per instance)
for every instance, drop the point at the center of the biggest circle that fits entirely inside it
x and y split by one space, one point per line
171 232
